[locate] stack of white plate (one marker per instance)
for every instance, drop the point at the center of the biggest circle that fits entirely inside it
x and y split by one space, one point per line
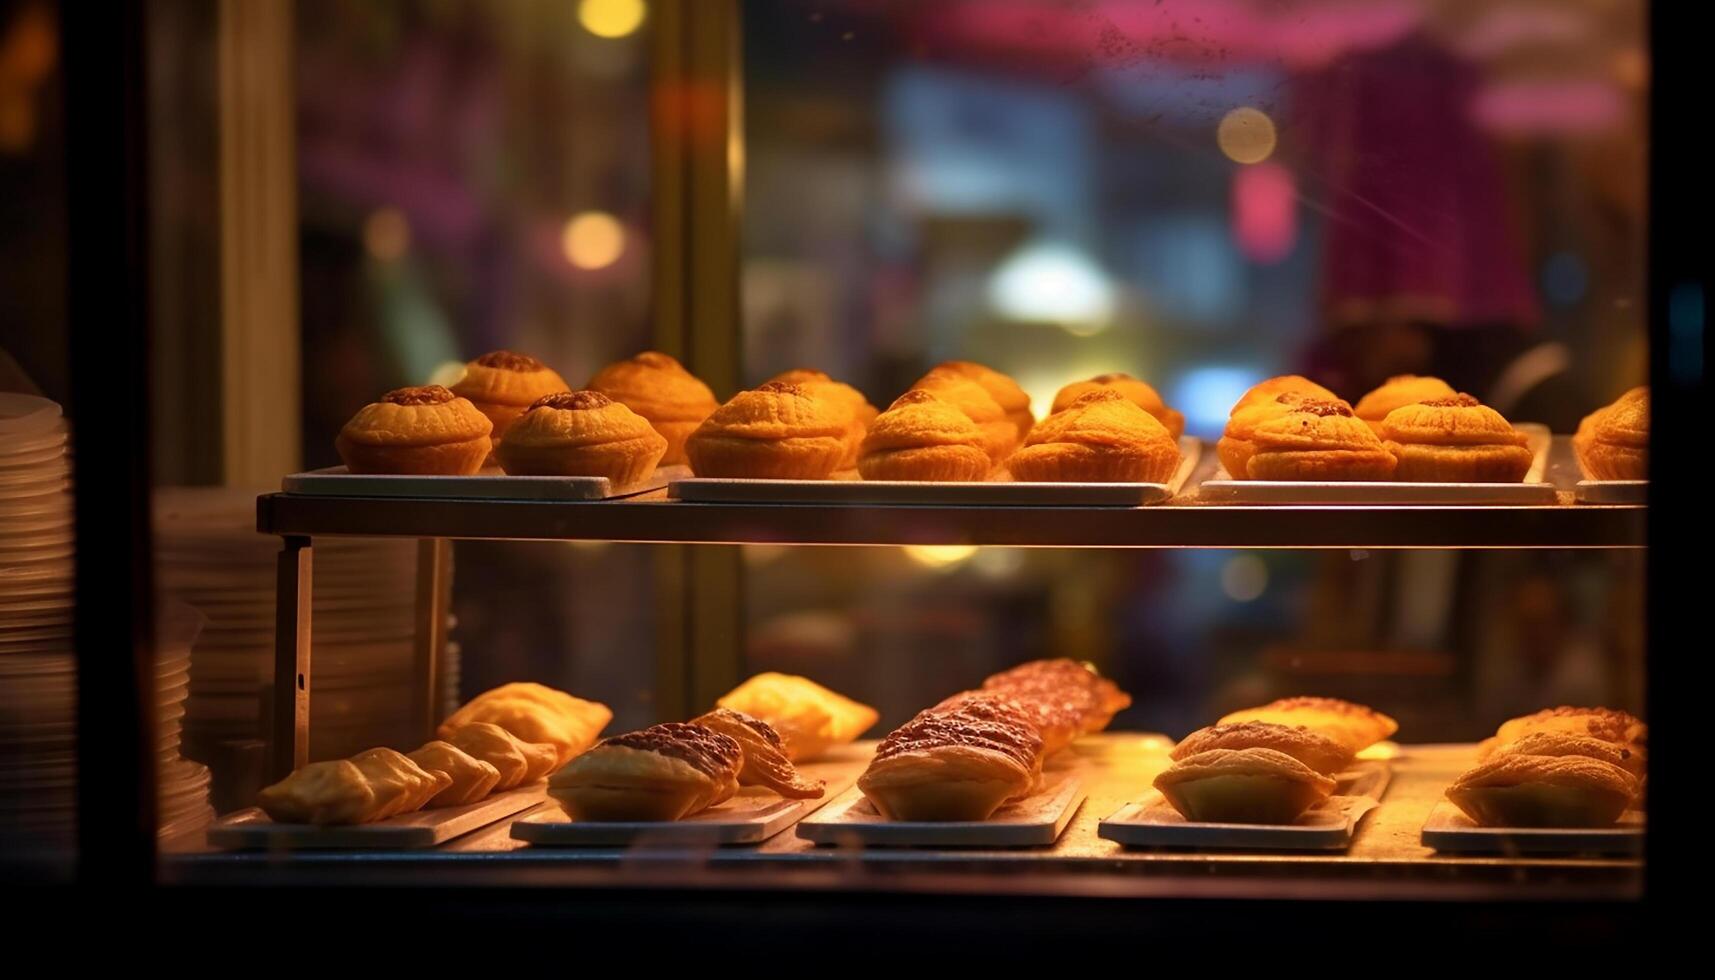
209 555
38 674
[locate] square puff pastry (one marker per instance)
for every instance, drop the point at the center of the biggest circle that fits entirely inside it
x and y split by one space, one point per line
471 778
810 718
535 713
519 762
326 794
1243 786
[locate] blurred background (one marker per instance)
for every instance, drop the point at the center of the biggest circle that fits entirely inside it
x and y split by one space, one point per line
352 197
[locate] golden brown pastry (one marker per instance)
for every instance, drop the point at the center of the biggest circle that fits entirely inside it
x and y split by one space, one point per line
959 762
1398 392
1270 389
1607 724
1235 446
1100 438
322 793
502 384
535 713
520 763
659 388
765 762
471 779
1093 698
1055 713
862 413
1243 786
1355 726
1612 443
1544 791
1627 757
1012 399
400 785
583 433
663 772
425 430
809 718
1318 751
1135 391
1317 441
921 437
1454 440
1000 431
775 432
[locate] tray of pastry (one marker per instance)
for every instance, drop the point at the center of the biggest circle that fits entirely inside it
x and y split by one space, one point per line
1000 490
1450 830
751 817
250 829
490 484
1329 826
1035 821
1532 490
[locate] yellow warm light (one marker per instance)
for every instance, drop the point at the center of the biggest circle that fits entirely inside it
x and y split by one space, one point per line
1381 750
386 234
611 18
939 555
1246 135
447 373
593 240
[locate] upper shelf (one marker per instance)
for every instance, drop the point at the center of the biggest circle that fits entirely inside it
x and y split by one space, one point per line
1181 523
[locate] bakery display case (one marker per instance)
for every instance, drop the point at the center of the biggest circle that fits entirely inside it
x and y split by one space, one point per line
841 459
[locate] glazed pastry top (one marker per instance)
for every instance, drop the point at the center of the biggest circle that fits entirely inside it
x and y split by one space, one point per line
1566 743
1101 418
776 411
1456 420
921 418
1062 678
1242 762
761 729
1355 725
709 752
1313 749
1554 770
1607 724
1625 422
425 415
1296 384
578 418
1400 390
975 720
1315 425
657 387
508 378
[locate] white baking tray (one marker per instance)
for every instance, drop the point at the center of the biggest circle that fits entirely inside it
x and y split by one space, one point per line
1448 829
252 830
491 484
998 492
1612 491
1534 490
1035 821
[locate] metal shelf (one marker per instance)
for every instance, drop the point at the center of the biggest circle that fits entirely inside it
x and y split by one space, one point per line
655 519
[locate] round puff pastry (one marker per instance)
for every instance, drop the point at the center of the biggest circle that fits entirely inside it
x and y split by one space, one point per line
1093 697
519 762
400 785
1243 786
1318 751
819 385
1135 391
1012 399
765 762
1102 437
1397 392
775 432
659 388
424 430
1544 791
1000 431
1355 726
959 762
1454 440
810 718
921 437
1235 446
1612 443
1607 724
333 793
664 772
1269 389
502 384
1627 757
1317 441
471 778
537 714
581 433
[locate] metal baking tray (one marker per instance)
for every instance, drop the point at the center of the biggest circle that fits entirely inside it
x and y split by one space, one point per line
1612 491
491 484
1000 492
1449 830
1533 490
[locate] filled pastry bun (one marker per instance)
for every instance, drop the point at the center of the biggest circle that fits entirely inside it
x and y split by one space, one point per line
921 437
1135 391
657 387
774 432
1454 439
502 384
583 433
1102 437
424 430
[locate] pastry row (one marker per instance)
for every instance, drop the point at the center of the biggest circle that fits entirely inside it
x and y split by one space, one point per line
1559 767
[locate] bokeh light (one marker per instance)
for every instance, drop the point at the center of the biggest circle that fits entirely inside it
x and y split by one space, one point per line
593 240
939 555
1246 135
611 18
387 235
447 373
1244 578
